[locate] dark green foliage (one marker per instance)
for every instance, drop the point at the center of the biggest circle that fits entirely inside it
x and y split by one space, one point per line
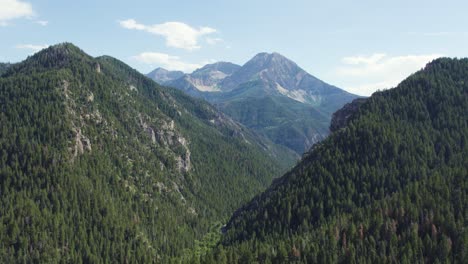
283 120
271 95
391 186
94 163
4 67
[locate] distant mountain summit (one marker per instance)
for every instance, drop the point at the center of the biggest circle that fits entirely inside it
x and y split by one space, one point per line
388 185
161 75
205 79
268 68
270 94
279 74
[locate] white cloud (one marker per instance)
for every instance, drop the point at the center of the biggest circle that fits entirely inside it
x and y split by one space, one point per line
364 75
33 48
166 61
439 33
42 22
13 9
355 60
177 34
213 41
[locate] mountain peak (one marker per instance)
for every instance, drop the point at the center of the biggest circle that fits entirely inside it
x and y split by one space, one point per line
57 56
161 75
63 50
269 68
227 68
266 59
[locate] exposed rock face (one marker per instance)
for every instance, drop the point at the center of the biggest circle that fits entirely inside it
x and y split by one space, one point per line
274 68
270 94
90 97
82 143
183 162
341 117
132 88
205 79
166 136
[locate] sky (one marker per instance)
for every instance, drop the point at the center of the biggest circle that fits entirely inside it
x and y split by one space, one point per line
360 46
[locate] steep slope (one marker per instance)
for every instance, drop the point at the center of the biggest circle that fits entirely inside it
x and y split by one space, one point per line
278 75
275 97
100 164
205 79
281 119
162 76
391 185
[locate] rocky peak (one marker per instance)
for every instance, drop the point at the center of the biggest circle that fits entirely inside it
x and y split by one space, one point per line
269 68
227 68
270 60
161 75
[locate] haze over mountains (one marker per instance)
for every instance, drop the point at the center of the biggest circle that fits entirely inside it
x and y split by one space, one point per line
269 94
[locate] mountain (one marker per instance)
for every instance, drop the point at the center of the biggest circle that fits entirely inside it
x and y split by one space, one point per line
98 163
273 96
285 75
388 185
205 79
161 75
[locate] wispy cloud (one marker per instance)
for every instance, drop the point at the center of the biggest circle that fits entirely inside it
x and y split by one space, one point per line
439 33
32 47
213 41
169 62
42 22
366 74
14 9
177 34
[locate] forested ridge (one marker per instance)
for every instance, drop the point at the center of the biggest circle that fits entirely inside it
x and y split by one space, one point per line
390 186
100 164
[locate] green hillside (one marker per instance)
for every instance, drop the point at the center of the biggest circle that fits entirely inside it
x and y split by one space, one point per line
283 120
391 186
270 95
100 164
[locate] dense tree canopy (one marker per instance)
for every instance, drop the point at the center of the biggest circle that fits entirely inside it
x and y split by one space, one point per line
100 164
391 186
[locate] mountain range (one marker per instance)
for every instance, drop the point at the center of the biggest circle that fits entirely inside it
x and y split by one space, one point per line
98 163
271 95
388 185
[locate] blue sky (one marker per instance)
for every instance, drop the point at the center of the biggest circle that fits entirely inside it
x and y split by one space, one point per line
360 46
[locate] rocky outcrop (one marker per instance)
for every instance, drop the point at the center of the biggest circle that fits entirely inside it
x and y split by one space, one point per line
82 143
166 136
205 79
341 117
